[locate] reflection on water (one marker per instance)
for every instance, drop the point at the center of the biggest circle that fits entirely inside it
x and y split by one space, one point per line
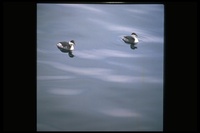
60 91
120 112
107 86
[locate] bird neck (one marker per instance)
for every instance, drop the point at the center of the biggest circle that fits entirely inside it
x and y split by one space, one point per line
135 37
71 45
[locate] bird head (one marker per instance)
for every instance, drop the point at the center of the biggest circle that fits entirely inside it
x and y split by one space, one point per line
134 34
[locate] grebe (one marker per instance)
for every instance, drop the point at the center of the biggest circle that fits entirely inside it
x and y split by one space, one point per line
66 47
132 40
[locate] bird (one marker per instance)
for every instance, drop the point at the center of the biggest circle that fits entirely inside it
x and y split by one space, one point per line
132 40
66 47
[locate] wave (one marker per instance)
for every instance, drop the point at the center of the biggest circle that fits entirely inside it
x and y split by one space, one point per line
103 74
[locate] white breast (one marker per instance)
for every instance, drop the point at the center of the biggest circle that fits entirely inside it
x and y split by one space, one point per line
72 47
136 40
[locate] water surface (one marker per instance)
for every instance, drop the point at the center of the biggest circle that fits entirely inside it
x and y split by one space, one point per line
107 86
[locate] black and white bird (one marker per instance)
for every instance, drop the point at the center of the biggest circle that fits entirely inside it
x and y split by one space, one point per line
132 40
66 47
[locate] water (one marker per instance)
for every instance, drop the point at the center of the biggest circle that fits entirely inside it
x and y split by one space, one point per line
107 86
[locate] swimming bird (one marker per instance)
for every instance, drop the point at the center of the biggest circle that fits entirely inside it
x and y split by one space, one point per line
66 47
132 40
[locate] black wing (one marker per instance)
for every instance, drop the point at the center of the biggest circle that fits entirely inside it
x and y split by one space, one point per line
129 39
65 45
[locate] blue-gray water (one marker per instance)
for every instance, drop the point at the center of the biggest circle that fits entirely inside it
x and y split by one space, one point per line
107 86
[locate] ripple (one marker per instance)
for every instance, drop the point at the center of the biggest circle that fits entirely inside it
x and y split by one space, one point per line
104 74
103 53
49 51
63 91
83 6
120 112
98 73
53 77
116 27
